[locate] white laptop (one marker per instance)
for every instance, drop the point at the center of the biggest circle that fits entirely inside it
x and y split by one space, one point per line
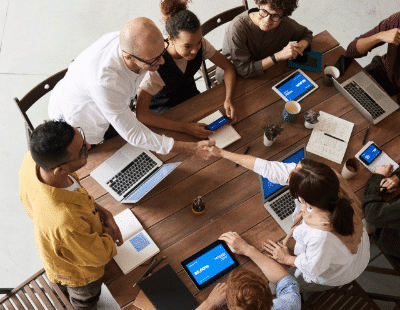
367 97
131 173
276 198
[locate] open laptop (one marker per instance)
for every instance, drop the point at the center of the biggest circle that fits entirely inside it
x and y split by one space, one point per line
367 97
276 198
131 173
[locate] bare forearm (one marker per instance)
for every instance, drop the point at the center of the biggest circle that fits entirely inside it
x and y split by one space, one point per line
150 118
186 148
365 44
246 161
271 269
230 81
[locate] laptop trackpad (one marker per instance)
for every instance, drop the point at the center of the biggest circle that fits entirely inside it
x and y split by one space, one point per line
118 161
374 91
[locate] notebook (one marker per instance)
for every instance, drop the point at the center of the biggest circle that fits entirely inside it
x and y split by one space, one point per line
138 246
166 291
330 137
131 173
367 97
371 156
224 135
276 198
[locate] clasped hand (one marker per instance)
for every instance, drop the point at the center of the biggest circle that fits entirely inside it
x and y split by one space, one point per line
290 51
111 228
391 36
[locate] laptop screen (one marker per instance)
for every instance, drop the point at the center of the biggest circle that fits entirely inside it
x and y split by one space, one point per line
143 189
270 188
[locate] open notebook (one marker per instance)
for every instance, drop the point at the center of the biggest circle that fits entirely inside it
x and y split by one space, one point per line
138 246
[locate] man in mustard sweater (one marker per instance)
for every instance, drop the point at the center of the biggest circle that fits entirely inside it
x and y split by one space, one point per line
75 236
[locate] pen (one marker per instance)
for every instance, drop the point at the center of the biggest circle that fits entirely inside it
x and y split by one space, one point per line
326 134
142 276
365 136
153 267
245 152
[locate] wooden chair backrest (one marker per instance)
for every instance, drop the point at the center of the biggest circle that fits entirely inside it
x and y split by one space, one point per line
37 292
210 25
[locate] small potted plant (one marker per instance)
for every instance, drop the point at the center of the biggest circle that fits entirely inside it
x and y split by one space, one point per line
198 206
311 119
270 133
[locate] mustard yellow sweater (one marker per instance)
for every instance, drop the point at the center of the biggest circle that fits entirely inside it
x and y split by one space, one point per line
68 231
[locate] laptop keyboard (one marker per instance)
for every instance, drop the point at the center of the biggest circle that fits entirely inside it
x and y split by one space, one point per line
364 99
284 206
132 173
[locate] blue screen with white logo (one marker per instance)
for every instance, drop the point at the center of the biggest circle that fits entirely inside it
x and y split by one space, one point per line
269 187
210 264
218 123
295 87
371 153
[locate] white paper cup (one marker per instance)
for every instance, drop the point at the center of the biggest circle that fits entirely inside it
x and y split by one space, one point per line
350 168
329 72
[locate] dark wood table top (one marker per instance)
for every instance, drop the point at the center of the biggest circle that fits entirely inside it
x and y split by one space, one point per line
231 194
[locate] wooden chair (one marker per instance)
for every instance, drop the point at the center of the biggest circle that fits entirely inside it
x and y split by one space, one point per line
349 296
34 95
36 293
207 27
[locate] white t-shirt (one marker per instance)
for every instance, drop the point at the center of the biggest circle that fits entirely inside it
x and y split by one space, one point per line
153 83
321 256
96 92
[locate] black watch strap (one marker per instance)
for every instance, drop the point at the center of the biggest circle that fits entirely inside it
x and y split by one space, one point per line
273 58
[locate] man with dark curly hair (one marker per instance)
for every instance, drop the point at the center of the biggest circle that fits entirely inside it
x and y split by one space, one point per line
261 37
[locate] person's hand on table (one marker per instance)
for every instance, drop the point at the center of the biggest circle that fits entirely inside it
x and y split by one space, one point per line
111 228
385 170
217 297
230 111
390 36
290 51
278 252
391 184
198 130
235 243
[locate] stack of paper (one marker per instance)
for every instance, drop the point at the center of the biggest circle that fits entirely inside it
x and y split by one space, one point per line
330 137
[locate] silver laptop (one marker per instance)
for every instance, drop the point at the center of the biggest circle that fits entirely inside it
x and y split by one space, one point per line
276 198
367 97
131 173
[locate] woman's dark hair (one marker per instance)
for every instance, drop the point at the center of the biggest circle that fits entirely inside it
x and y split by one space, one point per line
287 6
178 18
49 144
247 290
318 185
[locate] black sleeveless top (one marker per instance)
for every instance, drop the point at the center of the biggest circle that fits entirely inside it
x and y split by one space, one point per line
179 86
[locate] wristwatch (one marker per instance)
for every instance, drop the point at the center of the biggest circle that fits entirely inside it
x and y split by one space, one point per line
273 58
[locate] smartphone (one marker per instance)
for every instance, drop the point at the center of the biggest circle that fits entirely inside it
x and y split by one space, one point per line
370 154
218 123
306 60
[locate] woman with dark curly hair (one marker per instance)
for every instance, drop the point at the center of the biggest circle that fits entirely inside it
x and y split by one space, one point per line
330 244
173 82
261 37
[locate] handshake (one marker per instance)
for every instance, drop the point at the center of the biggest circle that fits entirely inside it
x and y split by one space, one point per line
206 149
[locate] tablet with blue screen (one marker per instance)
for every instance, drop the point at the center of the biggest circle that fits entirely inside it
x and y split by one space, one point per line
210 264
295 87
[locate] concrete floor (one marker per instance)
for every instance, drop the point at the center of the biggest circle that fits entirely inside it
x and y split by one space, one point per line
39 38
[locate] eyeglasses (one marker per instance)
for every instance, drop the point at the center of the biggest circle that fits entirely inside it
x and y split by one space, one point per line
156 60
274 17
84 150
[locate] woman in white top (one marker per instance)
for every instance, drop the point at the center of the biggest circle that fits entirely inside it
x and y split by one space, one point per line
331 245
173 82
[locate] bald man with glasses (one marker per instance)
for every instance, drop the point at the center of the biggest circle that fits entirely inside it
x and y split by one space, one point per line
74 235
99 88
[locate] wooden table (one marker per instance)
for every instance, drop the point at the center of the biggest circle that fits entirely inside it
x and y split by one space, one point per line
231 194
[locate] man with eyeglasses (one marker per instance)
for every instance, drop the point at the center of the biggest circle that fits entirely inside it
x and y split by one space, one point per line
74 235
261 37
98 90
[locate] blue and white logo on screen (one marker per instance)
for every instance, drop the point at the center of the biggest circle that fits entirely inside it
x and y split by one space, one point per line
210 264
